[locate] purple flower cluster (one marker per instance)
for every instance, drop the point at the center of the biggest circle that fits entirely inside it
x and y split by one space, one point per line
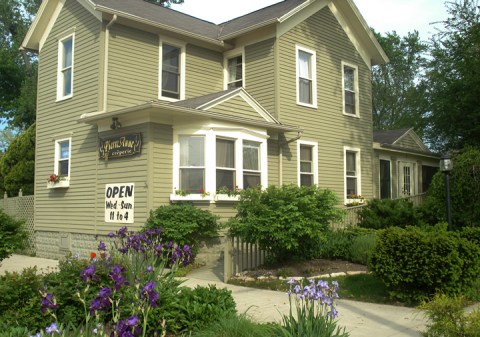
102 301
52 328
149 293
319 294
88 274
117 277
182 254
48 302
128 327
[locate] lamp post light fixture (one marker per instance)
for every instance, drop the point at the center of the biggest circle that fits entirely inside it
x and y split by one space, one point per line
446 165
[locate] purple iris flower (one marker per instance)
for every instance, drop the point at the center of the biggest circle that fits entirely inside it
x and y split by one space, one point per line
52 328
88 274
102 246
48 302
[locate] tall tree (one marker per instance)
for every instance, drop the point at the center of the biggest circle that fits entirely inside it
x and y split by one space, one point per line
453 78
398 94
17 72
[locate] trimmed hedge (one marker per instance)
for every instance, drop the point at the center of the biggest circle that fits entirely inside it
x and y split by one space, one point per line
384 213
416 264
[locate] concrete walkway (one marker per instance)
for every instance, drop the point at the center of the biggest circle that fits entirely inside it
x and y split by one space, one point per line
360 319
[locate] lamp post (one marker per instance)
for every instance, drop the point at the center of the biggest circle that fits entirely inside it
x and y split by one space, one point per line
446 165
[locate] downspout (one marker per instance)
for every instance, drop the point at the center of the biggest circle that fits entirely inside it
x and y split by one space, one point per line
105 65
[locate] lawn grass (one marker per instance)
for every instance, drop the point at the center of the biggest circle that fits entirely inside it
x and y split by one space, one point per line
362 287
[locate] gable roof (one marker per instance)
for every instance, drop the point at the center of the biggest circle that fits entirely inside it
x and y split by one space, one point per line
404 140
389 136
165 18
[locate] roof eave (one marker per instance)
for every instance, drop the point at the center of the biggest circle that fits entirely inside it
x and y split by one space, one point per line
249 29
135 18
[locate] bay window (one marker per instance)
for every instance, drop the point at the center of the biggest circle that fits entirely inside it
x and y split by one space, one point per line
251 164
192 164
225 172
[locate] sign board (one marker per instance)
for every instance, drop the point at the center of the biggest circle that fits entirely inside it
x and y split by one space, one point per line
119 203
120 146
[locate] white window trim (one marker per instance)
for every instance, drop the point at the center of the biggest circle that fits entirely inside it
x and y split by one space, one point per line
228 55
60 83
358 171
413 177
211 133
314 76
314 146
178 44
357 95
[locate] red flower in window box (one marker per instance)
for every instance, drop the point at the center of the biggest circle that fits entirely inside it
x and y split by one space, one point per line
54 179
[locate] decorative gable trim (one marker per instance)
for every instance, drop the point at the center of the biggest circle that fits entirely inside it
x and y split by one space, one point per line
415 138
240 92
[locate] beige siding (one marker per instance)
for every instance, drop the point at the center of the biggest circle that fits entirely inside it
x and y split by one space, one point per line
204 72
259 73
161 165
237 107
409 143
326 124
68 209
133 67
273 177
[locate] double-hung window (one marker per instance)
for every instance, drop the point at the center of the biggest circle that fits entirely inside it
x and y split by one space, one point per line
192 163
352 172
172 71
251 164
350 90
63 158
306 77
225 171
65 68
307 163
235 72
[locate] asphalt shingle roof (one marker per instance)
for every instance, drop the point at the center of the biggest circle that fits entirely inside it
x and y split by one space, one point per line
388 136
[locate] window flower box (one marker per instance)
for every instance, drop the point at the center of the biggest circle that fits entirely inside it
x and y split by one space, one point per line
355 201
60 184
189 197
226 197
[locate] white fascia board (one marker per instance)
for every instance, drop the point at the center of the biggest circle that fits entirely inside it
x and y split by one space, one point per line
299 14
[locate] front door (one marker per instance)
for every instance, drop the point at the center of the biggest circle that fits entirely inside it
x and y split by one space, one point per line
406 179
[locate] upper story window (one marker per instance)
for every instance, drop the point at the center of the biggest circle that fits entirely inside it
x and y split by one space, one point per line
235 72
65 67
352 172
350 90
192 163
172 71
306 77
307 153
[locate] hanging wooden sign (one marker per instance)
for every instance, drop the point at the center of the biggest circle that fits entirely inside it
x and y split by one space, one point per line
120 146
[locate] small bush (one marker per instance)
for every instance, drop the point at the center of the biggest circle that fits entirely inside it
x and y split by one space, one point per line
448 318
384 213
20 300
287 221
362 248
237 326
198 307
415 264
12 235
184 224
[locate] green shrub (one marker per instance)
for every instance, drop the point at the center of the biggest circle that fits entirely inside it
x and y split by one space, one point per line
415 264
464 187
13 331
20 300
384 213
362 248
471 234
184 224
448 318
198 307
12 235
287 221
237 326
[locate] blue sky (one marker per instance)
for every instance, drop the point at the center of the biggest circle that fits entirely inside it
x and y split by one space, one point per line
402 16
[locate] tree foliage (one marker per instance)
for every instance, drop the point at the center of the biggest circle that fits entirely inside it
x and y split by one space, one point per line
17 73
397 93
166 3
453 78
17 165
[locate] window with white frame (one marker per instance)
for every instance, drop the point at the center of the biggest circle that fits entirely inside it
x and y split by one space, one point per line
65 67
307 163
350 90
251 164
62 158
234 72
192 164
218 158
352 172
306 77
172 64
225 171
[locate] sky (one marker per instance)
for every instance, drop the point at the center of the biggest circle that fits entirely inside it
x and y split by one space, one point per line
402 16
